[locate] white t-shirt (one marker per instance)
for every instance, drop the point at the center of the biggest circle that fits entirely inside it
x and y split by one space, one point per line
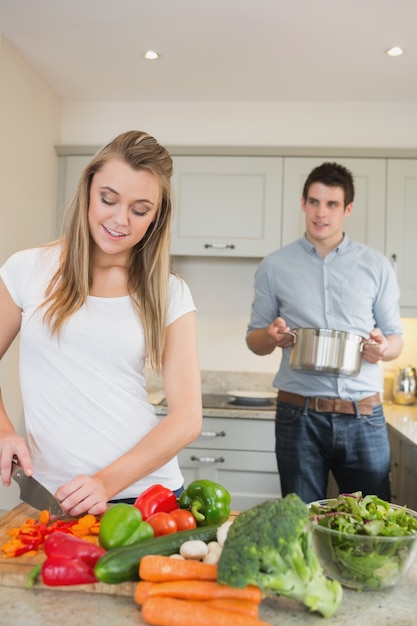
84 394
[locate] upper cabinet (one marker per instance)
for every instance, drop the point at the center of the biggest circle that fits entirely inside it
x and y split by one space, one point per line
402 226
247 206
365 224
226 206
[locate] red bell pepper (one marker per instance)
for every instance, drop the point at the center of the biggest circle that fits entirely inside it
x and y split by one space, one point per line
59 570
70 560
155 499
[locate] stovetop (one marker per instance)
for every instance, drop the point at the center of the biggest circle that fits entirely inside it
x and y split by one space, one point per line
224 401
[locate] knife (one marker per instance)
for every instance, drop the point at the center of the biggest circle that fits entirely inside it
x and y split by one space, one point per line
33 493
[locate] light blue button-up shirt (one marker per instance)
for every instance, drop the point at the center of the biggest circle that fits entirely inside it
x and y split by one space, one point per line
353 289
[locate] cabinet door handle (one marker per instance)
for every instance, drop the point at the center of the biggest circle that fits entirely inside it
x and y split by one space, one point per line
207 459
212 433
220 246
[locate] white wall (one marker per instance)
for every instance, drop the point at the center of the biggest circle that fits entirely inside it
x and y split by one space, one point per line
30 121
366 124
31 125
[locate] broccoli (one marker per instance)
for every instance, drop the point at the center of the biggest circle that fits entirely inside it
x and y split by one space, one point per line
270 545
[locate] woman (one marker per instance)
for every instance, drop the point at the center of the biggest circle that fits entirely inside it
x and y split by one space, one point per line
91 308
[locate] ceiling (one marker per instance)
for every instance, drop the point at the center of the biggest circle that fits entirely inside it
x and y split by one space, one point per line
218 50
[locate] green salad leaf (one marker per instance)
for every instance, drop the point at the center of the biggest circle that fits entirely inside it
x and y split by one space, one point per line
375 561
355 514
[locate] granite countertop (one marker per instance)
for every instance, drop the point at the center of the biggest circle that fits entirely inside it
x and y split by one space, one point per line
37 607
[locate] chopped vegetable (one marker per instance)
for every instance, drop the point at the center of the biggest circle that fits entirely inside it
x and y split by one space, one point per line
208 501
270 545
30 537
122 525
155 568
155 499
161 611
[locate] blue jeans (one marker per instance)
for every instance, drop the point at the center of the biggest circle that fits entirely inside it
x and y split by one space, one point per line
309 445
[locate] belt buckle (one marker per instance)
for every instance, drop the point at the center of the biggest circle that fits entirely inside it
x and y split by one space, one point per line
316 404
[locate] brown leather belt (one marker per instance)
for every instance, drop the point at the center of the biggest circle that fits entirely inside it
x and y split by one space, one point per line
331 405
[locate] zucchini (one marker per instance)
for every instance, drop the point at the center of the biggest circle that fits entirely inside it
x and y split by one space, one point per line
122 564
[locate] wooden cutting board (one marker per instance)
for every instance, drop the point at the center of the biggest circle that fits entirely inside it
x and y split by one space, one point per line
14 571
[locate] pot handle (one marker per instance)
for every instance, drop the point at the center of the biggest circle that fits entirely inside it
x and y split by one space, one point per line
288 332
370 342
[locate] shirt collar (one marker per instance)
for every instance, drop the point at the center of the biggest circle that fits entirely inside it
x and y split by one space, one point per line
311 248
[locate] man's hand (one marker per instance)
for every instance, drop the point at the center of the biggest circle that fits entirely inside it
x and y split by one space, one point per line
280 333
378 348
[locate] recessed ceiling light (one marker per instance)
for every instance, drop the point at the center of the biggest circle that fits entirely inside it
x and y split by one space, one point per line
151 55
395 51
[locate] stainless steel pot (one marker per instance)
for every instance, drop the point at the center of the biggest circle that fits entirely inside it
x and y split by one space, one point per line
327 351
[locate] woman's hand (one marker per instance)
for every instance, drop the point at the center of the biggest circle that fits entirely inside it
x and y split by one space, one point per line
13 445
83 494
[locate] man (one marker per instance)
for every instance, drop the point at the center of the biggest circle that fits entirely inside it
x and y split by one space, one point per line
325 280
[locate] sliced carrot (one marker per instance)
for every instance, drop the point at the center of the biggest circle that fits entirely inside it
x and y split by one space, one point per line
204 590
158 568
174 612
87 520
95 528
44 517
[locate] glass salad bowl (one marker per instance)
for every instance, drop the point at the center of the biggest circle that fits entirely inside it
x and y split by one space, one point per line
363 542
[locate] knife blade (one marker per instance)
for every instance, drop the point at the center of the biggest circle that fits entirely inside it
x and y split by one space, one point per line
33 492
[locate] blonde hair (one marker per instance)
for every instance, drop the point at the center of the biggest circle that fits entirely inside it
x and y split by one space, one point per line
148 266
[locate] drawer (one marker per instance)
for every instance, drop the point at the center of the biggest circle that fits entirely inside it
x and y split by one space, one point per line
236 434
250 477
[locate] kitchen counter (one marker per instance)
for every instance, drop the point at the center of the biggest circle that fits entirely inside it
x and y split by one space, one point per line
37 607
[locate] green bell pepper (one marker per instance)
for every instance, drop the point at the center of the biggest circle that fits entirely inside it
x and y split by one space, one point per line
208 501
122 525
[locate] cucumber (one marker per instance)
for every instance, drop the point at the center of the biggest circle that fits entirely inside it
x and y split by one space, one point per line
122 564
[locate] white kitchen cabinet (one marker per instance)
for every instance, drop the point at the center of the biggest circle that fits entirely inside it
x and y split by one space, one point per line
226 205
237 453
402 228
365 224
69 171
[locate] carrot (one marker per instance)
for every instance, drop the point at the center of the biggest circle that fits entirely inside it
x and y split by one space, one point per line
158 568
142 591
204 590
247 607
174 612
44 517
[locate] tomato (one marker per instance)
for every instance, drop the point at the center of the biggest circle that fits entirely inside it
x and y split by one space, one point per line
162 523
185 519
